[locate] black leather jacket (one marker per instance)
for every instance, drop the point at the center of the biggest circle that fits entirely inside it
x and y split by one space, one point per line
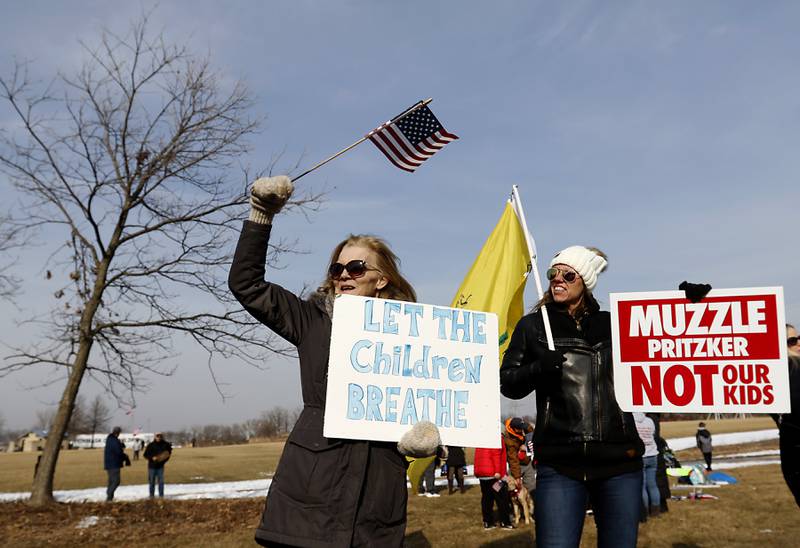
580 429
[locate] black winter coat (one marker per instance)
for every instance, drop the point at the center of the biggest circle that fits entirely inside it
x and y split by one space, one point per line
156 448
114 456
580 429
326 492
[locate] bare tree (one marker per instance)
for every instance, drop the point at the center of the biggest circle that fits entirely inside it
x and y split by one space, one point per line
98 416
44 419
78 417
128 162
11 238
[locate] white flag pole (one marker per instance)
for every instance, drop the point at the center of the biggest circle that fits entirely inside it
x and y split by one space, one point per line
516 203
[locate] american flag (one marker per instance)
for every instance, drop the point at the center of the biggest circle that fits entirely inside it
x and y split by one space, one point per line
412 139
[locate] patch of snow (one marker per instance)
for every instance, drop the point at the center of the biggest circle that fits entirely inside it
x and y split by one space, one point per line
87 522
259 487
734 438
768 452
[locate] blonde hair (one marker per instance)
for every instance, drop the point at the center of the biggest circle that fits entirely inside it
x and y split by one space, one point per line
397 288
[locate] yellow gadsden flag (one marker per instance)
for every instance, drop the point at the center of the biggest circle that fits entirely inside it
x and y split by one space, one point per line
496 281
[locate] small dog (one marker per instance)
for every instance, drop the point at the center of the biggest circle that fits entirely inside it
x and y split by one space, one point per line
521 500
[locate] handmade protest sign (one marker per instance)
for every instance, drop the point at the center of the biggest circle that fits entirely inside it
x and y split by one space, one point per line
394 363
725 353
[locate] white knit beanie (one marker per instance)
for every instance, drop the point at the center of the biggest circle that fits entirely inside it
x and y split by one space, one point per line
586 262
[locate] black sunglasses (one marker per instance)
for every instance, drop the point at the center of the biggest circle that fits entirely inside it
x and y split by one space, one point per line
568 275
791 341
356 268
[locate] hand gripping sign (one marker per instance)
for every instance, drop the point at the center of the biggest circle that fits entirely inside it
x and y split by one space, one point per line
726 353
395 363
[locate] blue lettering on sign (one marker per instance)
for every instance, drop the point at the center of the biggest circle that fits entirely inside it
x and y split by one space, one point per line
381 358
441 314
443 414
460 400
374 399
363 343
409 415
355 404
427 395
369 323
479 327
391 403
460 326
414 311
445 407
390 311
473 369
455 371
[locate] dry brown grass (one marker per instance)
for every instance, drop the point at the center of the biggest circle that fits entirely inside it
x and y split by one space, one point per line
79 469
759 511
682 429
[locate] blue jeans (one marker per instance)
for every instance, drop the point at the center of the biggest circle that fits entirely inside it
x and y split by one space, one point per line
427 482
113 482
560 505
152 475
650 495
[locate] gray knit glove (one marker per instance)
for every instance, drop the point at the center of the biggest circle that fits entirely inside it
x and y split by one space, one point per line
268 196
421 441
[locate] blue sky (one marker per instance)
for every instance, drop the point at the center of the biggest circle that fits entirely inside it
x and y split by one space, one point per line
663 133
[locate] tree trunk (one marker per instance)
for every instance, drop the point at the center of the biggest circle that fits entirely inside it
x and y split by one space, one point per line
42 489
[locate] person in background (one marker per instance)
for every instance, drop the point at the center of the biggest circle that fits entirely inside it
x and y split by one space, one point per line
490 468
427 484
456 461
137 448
789 423
157 454
114 458
662 480
651 497
586 447
326 491
513 440
703 438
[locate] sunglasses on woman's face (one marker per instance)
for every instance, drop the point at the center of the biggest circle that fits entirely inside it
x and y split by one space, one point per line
356 268
792 341
568 275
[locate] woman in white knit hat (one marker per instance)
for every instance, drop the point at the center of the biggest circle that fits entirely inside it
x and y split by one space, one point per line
587 450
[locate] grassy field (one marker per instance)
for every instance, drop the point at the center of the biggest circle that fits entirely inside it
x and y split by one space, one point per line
758 511
80 469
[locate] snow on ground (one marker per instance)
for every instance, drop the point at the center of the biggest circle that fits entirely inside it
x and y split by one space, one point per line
735 438
258 488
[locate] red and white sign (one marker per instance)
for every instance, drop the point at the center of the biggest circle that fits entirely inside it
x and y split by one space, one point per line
725 354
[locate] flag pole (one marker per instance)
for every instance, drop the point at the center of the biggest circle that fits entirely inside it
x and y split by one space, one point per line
403 114
517 203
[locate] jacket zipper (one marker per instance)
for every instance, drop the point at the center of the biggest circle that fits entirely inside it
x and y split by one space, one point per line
584 459
546 412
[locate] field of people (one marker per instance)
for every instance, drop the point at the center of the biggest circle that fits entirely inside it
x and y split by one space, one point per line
758 510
